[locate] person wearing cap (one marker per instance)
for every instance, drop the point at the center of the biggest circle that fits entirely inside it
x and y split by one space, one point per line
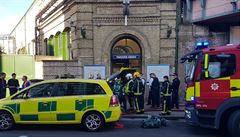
138 89
13 84
175 89
166 92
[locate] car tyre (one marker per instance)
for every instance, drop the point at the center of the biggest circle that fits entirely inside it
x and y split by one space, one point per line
6 121
93 121
234 124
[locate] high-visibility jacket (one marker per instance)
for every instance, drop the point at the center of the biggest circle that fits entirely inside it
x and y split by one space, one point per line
138 87
166 89
128 87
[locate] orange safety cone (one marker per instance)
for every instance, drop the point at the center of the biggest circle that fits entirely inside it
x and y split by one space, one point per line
118 125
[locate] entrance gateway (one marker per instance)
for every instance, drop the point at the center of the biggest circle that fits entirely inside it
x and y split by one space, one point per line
126 52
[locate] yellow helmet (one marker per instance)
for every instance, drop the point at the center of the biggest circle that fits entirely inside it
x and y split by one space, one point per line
137 75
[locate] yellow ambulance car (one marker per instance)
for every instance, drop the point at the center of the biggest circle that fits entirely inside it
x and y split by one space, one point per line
63 101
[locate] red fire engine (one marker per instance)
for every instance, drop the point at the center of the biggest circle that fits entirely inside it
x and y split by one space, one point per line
213 88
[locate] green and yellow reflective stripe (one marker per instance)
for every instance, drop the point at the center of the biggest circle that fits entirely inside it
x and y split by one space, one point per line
13 108
107 114
63 117
29 117
84 104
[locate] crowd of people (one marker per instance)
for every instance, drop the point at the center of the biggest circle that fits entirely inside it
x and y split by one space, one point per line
12 84
131 90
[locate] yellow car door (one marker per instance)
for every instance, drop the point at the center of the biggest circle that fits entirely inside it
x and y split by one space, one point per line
37 104
66 100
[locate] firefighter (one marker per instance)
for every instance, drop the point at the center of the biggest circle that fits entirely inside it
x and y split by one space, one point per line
128 90
166 92
138 89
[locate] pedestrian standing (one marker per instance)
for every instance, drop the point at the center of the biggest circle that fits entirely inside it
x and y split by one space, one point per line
138 89
128 90
175 89
91 76
26 83
166 92
3 85
150 92
13 84
99 76
155 89
143 82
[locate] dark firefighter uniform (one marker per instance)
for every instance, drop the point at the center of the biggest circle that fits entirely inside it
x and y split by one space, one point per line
166 92
138 89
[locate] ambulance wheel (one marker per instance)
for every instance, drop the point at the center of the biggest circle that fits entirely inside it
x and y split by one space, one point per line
234 124
6 121
93 121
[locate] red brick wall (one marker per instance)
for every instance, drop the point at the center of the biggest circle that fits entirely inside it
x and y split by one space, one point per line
213 8
217 7
197 10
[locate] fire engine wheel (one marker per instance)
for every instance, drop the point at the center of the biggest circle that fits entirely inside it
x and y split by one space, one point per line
6 121
234 124
93 121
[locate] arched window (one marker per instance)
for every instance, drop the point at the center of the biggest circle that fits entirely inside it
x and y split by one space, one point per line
50 46
126 52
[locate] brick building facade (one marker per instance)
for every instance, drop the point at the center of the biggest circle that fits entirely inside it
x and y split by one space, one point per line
94 32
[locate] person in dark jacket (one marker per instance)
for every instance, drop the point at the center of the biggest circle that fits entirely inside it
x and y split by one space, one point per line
175 87
166 92
155 85
3 85
138 90
13 84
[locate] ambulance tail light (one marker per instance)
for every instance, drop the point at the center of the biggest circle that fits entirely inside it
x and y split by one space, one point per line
114 101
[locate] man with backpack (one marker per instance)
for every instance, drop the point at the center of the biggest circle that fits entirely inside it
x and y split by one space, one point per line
166 92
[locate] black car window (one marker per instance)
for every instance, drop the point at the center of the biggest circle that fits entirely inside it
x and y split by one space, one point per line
43 90
70 89
78 88
93 89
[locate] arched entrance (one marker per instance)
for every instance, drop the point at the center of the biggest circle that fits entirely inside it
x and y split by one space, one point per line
126 52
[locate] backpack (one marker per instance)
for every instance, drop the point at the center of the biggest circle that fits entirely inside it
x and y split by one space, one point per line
154 122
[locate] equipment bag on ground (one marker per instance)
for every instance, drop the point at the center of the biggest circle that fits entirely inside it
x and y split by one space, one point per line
154 122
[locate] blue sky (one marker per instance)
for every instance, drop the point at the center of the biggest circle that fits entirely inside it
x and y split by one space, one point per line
11 11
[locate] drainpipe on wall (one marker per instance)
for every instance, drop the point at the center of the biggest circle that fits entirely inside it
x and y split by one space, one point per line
178 20
36 39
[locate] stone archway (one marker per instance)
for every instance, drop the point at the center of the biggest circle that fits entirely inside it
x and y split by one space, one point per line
115 34
126 52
